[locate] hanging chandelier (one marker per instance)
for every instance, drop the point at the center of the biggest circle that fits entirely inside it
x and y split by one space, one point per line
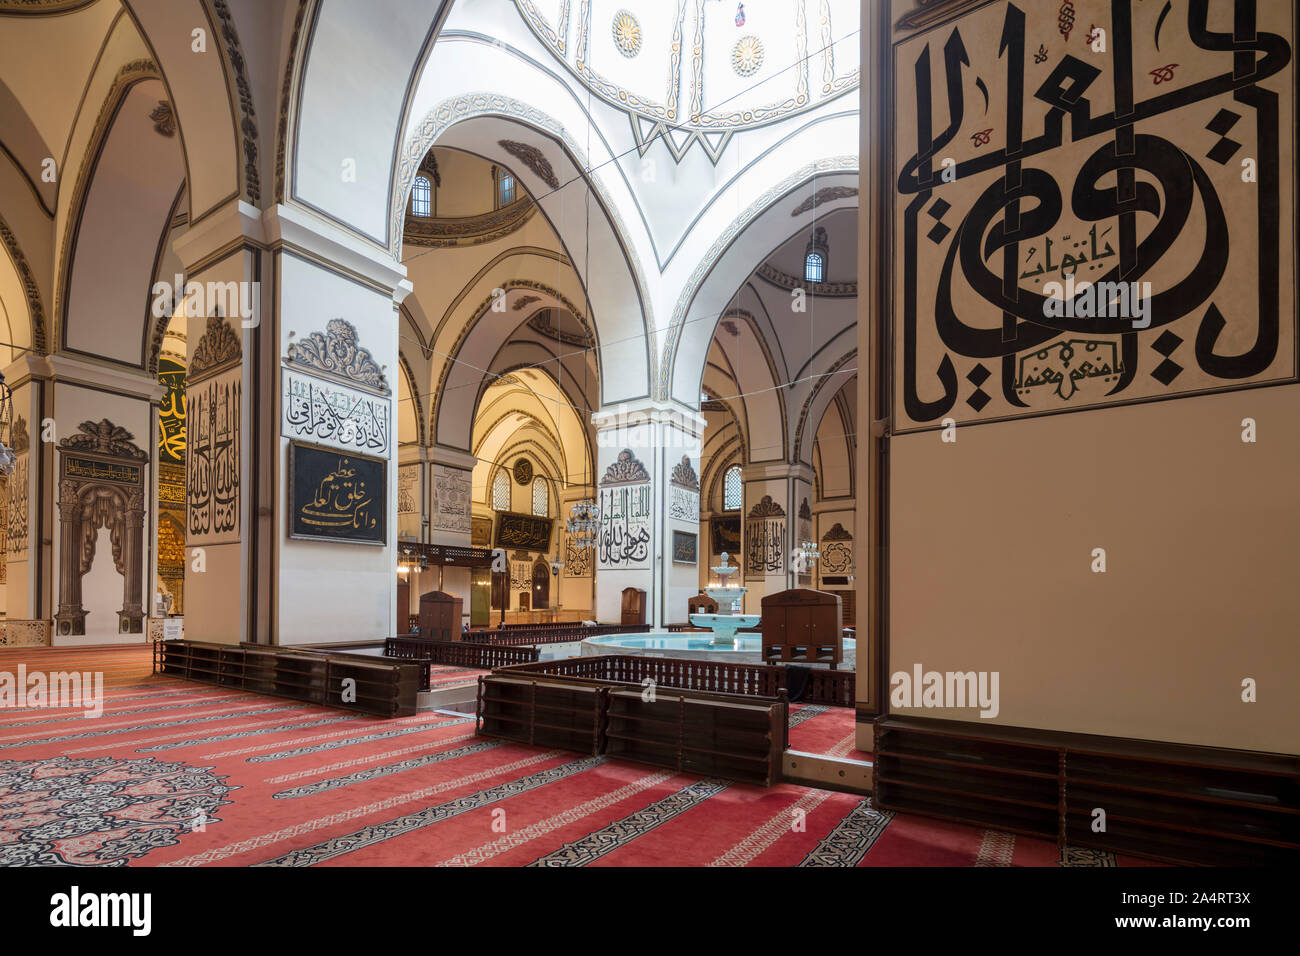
583 524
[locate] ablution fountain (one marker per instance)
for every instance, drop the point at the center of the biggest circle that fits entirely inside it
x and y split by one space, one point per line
722 643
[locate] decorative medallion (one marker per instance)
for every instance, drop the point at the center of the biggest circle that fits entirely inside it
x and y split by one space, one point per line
747 55
107 439
625 469
102 811
218 349
767 508
336 352
523 471
627 34
532 158
684 475
164 121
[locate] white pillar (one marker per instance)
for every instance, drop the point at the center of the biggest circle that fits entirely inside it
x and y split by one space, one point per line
649 504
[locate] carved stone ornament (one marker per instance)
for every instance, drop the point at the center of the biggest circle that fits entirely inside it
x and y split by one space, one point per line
21 441
767 508
532 157
107 439
336 352
684 475
625 469
824 195
217 350
805 511
837 533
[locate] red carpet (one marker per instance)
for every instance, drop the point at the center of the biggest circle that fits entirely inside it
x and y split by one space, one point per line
829 731
184 774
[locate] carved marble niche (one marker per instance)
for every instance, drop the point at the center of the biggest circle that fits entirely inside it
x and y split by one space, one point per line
101 485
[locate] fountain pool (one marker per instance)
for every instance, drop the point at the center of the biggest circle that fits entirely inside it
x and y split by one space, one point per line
743 648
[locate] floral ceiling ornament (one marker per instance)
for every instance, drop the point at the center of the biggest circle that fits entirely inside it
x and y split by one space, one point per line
164 121
105 438
336 352
627 34
531 157
747 55
524 301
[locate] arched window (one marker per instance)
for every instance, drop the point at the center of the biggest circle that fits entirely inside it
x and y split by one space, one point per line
541 498
501 491
733 491
420 193
505 189
814 267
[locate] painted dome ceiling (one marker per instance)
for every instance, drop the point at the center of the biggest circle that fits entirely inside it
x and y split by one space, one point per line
712 66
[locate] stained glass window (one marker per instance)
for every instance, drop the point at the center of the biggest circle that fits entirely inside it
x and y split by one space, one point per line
501 491
541 499
420 194
733 492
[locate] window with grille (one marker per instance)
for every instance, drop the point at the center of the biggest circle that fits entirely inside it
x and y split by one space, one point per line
501 491
420 197
505 189
733 492
813 267
541 499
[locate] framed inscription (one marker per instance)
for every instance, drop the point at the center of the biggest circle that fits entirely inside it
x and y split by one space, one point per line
726 535
337 496
685 547
524 532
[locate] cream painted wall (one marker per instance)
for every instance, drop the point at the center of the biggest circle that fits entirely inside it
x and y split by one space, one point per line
991 544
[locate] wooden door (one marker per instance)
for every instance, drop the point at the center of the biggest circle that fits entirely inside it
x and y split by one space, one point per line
541 585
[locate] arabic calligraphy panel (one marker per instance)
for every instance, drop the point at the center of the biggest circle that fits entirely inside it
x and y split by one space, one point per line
333 415
408 490
523 531
626 527
451 499
1079 228
337 496
212 460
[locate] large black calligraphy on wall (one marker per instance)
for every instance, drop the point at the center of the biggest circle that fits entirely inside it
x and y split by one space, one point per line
764 539
1095 216
626 515
212 460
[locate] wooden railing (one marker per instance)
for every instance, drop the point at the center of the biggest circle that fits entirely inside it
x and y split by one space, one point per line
551 634
717 677
455 654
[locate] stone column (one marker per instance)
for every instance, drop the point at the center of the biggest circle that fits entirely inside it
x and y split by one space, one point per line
774 494
647 490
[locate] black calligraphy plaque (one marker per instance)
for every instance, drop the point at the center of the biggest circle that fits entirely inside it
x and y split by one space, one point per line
337 496
726 535
525 532
685 547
